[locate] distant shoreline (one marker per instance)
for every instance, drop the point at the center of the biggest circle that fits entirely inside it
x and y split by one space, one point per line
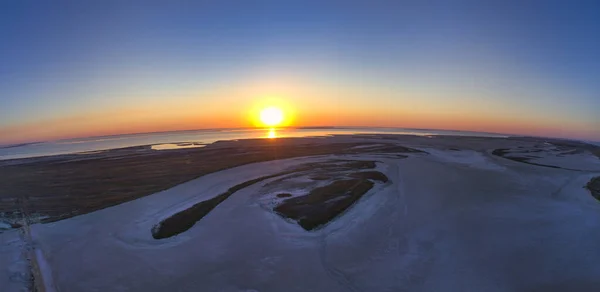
13 145
103 143
248 129
19 145
207 136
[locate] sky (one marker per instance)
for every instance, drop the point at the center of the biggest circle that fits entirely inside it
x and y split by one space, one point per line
89 68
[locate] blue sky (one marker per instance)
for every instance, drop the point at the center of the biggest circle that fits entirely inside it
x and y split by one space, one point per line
534 62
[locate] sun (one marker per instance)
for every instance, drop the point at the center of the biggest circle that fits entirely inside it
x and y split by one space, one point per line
271 116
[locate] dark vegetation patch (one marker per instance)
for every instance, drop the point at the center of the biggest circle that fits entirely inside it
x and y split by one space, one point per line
325 203
320 177
358 164
184 220
503 153
68 185
500 152
385 148
334 166
562 144
324 170
594 186
372 175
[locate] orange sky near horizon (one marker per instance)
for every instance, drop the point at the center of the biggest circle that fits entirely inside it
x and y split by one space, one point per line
81 69
242 115
306 102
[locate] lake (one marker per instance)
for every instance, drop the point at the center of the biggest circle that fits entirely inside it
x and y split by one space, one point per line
197 138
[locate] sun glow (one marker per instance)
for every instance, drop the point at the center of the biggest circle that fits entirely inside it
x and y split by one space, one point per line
272 134
271 116
271 113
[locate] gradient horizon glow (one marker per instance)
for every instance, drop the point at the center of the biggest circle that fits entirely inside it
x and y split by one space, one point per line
90 68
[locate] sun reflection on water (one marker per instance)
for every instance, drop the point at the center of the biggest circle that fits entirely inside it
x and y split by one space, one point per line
272 134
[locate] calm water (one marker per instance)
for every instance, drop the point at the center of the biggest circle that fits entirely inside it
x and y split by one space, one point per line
170 140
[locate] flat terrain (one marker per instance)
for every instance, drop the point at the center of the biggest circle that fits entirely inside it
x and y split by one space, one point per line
64 186
351 213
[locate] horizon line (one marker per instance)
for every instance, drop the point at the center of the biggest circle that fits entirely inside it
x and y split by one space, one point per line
11 145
